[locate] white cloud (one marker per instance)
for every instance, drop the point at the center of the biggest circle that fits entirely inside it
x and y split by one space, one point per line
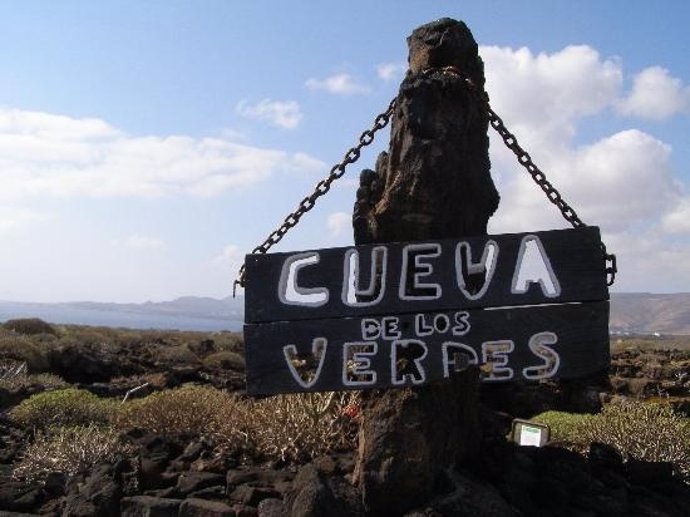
390 71
13 218
53 127
229 261
656 95
544 95
339 223
618 183
56 156
339 84
677 221
139 242
284 114
231 255
302 162
623 182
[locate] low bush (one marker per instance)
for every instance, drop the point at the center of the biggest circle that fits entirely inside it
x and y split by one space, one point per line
68 450
189 409
226 360
175 355
644 431
284 427
63 407
298 427
24 349
14 376
229 341
29 326
566 428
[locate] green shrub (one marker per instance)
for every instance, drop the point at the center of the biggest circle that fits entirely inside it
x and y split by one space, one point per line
176 355
644 431
226 360
285 427
68 450
14 376
298 427
23 349
29 326
565 427
229 341
62 407
189 409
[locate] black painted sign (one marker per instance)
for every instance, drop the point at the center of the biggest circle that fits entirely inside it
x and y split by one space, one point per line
519 306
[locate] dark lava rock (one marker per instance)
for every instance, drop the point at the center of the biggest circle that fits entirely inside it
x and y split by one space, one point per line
316 494
252 496
271 508
95 493
18 496
265 479
203 508
189 482
146 506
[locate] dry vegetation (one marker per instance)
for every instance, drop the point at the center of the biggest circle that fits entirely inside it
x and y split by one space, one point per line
75 428
648 343
647 431
68 450
71 429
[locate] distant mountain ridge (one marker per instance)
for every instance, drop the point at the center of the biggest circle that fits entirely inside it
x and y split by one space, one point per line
185 313
647 313
633 313
194 306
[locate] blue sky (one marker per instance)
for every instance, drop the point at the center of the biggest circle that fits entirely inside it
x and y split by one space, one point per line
145 147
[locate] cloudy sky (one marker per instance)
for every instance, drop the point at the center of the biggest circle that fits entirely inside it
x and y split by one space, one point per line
145 147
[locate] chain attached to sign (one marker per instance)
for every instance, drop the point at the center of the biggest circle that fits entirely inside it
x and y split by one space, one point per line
322 187
390 315
380 122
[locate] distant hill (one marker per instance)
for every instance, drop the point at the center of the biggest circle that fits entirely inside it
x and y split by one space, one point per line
186 313
633 313
190 306
645 313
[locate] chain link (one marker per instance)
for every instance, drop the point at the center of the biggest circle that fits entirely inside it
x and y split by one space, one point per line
321 188
567 211
537 175
524 159
380 122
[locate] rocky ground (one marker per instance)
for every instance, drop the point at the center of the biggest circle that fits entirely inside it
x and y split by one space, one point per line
173 474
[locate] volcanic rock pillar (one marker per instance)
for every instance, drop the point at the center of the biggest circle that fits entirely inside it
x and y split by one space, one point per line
433 183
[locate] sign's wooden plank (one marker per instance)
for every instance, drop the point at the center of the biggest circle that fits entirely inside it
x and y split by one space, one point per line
566 341
522 269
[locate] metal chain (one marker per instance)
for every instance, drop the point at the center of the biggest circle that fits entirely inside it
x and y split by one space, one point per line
525 160
321 188
381 121
546 186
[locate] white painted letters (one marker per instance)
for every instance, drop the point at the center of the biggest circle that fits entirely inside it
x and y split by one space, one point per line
411 286
289 291
352 293
457 355
465 268
306 378
406 361
357 363
538 345
385 328
495 356
533 266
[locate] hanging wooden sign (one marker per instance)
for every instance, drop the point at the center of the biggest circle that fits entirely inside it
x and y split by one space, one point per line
519 306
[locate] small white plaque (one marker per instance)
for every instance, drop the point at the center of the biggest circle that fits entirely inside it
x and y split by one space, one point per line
530 436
